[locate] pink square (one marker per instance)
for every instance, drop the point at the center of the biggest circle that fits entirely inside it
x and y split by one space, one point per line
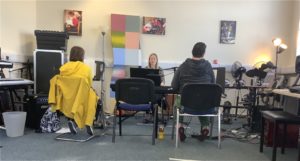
132 40
118 22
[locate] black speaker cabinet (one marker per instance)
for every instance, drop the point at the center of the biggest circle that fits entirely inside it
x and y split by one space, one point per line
297 64
220 76
46 65
35 106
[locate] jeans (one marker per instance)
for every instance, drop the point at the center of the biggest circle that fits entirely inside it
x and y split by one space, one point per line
177 104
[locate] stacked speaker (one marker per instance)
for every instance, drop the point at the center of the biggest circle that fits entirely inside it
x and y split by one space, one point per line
48 58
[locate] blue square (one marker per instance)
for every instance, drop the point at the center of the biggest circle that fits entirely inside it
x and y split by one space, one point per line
119 56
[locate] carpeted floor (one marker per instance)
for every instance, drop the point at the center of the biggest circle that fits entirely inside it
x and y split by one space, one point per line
135 144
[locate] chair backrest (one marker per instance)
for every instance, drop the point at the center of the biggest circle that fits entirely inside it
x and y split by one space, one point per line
197 97
135 90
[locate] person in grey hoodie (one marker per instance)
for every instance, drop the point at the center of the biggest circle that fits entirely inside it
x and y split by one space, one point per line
193 70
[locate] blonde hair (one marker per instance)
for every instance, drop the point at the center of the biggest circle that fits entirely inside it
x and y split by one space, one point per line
156 65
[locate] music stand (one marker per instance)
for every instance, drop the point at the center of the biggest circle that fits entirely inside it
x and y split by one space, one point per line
152 74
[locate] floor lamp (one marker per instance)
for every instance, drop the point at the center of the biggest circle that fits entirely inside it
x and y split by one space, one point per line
280 47
100 69
103 38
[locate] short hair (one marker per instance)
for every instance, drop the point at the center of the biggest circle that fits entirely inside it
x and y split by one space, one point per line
199 49
77 54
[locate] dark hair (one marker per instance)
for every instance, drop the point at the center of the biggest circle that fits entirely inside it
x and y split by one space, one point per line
76 54
199 49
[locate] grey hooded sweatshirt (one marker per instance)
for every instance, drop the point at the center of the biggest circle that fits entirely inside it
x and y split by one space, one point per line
193 71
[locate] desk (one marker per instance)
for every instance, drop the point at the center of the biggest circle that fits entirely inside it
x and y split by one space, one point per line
157 89
289 101
12 85
286 92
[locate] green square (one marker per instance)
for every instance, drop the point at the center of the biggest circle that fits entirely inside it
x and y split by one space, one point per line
118 39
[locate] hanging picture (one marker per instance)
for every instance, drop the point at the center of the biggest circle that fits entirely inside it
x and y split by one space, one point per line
154 25
73 22
227 32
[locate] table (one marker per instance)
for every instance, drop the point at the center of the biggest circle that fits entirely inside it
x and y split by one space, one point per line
290 101
12 84
287 93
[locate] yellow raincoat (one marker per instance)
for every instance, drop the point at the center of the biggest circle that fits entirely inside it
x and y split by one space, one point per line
71 93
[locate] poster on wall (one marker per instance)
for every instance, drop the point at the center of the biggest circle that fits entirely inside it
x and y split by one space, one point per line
73 22
154 25
227 32
125 40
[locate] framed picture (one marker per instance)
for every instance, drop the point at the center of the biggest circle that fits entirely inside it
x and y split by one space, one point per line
227 32
154 25
73 22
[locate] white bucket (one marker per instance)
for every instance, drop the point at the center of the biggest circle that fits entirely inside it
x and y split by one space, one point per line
14 123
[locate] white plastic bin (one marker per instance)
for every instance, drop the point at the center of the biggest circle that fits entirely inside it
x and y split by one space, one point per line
14 123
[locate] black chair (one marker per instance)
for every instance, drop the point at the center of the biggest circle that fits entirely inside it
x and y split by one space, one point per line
277 117
135 94
200 100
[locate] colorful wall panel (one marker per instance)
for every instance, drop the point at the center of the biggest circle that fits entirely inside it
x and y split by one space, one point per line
125 39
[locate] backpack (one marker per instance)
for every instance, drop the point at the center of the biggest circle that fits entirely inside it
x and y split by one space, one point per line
50 122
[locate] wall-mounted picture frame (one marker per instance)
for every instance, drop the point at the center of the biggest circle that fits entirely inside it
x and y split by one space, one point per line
227 32
154 25
73 22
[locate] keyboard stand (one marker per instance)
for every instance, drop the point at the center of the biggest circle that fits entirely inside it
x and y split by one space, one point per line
12 86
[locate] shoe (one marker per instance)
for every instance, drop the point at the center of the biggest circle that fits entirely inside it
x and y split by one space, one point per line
182 136
204 134
196 136
147 121
89 130
72 127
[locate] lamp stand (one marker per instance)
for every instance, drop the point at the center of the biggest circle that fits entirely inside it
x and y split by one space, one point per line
276 63
103 36
102 116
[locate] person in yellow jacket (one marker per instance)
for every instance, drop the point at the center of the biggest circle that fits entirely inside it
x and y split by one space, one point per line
71 93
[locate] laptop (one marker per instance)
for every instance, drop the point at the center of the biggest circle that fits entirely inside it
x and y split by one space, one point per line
152 74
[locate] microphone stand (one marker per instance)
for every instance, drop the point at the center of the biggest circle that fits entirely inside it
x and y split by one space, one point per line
173 99
173 68
102 92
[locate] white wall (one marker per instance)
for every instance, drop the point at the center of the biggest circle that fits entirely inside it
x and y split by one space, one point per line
258 22
187 22
18 20
287 59
1 23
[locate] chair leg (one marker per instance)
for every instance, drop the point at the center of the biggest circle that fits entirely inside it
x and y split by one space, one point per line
177 127
156 123
114 126
284 138
274 141
261 146
298 150
120 122
162 111
211 127
173 123
154 133
219 128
